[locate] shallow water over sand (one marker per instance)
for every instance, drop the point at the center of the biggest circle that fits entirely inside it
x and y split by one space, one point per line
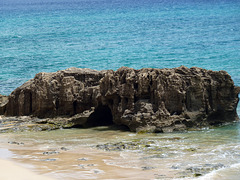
73 153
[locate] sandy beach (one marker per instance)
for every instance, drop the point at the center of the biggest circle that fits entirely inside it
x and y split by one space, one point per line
75 154
11 171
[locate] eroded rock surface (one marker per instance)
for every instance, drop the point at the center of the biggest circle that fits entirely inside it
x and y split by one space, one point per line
152 100
3 103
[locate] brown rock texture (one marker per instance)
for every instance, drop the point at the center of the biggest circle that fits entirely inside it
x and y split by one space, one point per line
152 100
3 103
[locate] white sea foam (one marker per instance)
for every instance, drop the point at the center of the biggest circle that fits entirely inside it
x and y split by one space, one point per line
229 173
5 153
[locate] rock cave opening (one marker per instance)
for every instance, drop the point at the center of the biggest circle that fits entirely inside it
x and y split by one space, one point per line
217 118
102 116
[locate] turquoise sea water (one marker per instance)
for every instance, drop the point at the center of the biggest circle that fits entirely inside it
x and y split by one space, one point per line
51 35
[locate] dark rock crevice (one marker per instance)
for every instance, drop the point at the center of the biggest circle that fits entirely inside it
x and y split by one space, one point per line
102 116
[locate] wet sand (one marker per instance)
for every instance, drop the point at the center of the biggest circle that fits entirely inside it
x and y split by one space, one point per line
72 154
29 159
81 164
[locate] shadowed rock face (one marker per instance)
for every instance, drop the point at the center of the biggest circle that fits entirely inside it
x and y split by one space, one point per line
155 100
3 102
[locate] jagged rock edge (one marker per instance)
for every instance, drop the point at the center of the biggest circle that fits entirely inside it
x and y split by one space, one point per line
152 100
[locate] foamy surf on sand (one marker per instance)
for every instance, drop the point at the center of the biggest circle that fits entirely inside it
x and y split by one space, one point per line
232 172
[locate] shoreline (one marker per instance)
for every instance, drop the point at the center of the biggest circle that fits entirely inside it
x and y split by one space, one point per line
69 154
21 173
71 163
